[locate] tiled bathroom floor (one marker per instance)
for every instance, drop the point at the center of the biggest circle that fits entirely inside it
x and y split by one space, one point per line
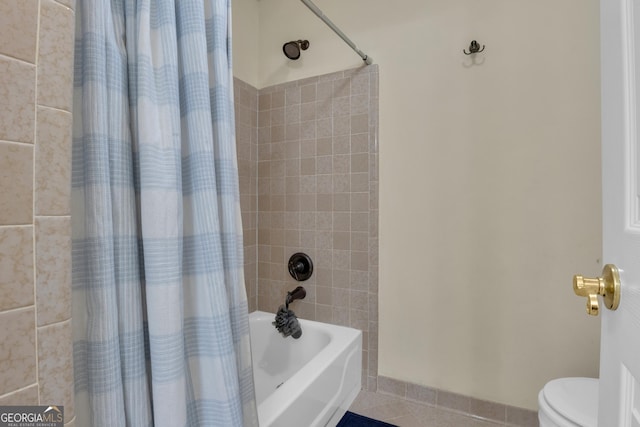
403 413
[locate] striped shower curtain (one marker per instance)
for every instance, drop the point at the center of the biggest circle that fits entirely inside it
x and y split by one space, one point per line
160 324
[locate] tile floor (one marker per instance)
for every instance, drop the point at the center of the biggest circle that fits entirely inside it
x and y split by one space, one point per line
405 413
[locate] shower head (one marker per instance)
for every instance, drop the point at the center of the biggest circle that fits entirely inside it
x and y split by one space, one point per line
292 49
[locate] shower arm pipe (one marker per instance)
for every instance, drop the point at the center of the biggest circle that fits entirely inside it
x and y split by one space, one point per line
366 58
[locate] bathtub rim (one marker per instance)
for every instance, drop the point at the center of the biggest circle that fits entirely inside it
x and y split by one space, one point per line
341 339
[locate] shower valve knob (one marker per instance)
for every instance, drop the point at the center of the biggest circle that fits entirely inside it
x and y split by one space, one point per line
608 286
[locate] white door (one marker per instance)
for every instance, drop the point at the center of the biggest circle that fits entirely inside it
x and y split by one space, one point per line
619 404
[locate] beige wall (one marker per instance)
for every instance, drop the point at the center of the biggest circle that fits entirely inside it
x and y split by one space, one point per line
36 56
489 180
245 26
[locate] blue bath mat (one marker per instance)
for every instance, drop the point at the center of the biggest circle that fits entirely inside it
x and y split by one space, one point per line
351 419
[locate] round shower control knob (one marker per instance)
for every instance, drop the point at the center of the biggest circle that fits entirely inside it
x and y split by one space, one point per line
300 266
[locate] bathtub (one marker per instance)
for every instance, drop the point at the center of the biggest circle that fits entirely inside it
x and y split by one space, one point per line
308 382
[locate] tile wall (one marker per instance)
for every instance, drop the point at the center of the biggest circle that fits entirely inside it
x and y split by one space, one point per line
316 191
481 410
36 69
246 111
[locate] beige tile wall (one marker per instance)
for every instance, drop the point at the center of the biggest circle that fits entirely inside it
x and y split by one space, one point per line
36 69
493 412
246 111
317 187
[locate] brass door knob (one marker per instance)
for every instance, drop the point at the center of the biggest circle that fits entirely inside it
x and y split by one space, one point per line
608 286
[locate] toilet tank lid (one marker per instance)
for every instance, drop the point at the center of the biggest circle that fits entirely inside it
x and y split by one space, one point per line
574 398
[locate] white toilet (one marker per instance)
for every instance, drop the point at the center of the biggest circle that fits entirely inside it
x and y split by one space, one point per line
569 402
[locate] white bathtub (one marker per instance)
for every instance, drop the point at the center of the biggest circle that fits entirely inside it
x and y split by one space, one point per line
308 382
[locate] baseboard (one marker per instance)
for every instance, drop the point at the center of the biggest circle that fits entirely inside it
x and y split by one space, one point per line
482 409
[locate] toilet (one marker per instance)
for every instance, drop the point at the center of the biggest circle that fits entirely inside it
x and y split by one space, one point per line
569 402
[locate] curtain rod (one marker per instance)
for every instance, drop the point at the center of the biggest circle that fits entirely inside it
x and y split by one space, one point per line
367 59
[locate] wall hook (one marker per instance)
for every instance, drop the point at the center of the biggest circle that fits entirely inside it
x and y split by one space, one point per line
474 47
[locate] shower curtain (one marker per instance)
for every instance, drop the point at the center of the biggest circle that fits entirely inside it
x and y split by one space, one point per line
160 323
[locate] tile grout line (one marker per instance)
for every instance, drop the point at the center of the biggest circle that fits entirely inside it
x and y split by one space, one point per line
13 58
20 143
21 389
35 143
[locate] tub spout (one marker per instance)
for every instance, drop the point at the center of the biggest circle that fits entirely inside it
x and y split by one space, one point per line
297 293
